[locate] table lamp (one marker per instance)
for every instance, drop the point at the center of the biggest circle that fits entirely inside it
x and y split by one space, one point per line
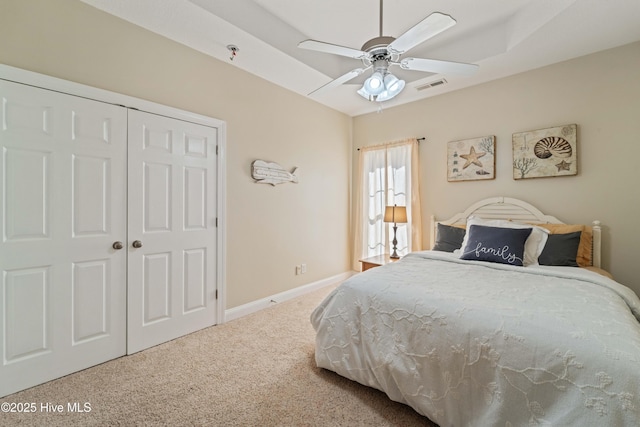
395 214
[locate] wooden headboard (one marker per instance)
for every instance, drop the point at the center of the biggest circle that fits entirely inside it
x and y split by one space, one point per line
516 210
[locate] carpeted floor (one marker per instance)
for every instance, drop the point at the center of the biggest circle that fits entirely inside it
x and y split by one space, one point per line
258 370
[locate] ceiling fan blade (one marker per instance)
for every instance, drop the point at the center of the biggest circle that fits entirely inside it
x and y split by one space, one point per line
429 27
332 48
340 80
437 66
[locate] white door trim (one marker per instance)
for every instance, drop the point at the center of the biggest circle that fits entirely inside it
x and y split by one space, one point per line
52 83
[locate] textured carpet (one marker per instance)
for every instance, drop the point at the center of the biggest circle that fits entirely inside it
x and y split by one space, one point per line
258 370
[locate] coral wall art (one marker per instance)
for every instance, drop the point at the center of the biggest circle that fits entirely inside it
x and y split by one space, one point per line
545 152
471 159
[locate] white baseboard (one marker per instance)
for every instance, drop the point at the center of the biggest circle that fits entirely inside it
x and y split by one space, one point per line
254 306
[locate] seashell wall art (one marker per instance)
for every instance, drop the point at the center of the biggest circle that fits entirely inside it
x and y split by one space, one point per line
545 152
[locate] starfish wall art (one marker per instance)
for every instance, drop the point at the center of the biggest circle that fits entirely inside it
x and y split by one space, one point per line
471 159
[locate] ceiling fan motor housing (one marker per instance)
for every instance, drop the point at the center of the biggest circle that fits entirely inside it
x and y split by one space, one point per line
377 46
381 65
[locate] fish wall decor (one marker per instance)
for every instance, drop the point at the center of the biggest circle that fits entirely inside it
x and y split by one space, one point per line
272 173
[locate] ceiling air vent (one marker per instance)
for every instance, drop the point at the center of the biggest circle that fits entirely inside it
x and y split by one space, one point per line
431 84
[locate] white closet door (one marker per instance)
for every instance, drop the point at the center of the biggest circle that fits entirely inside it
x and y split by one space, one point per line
62 206
172 214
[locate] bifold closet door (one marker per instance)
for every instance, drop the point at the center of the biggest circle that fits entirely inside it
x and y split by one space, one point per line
62 208
172 229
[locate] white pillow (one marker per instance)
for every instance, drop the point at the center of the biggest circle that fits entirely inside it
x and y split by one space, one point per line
533 246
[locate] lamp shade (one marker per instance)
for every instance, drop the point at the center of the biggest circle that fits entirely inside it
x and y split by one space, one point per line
374 84
395 214
363 93
393 85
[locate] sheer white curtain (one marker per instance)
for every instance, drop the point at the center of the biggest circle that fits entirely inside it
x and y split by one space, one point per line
388 175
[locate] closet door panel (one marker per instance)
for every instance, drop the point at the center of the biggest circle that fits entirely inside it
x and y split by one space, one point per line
156 288
90 213
26 194
27 328
62 205
195 198
172 206
157 202
195 279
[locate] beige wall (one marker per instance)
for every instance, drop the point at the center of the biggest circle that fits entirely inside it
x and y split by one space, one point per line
599 92
270 229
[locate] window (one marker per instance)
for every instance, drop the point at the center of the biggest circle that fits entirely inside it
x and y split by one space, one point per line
388 175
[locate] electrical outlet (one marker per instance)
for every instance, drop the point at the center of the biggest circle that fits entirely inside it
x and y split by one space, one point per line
298 269
303 268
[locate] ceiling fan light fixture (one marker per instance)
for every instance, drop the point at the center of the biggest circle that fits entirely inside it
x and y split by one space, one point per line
374 84
391 87
387 95
363 93
393 84
384 96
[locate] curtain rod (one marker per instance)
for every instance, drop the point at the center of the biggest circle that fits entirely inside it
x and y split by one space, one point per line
417 139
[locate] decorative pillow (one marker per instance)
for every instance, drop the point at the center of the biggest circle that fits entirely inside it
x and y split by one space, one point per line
534 245
584 257
561 250
496 244
449 238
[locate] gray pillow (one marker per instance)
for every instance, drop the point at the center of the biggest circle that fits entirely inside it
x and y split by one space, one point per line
561 250
448 238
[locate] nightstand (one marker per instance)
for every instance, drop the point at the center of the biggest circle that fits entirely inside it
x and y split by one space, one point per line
376 261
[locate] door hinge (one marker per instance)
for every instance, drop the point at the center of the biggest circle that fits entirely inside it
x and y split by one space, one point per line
216 150
216 294
216 222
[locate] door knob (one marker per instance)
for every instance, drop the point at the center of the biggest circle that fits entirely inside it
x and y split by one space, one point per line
137 244
117 245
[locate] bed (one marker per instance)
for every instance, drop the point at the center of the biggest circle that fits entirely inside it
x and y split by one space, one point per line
467 340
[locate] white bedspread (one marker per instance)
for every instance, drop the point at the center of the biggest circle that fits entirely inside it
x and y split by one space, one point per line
470 343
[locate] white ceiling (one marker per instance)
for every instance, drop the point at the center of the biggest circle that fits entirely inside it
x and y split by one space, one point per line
504 37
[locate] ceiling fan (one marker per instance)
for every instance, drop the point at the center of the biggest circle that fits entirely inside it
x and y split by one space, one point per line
382 52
